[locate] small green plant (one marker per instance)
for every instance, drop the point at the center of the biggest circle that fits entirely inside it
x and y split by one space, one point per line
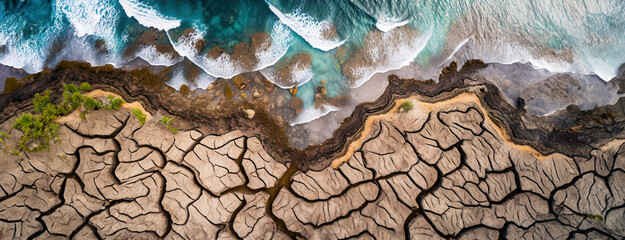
139 115
4 136
167 122
84 87
92 104
41 101
595 217
115 103
406 106
70 88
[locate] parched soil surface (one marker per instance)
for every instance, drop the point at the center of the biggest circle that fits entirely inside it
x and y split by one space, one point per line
437 171
456 166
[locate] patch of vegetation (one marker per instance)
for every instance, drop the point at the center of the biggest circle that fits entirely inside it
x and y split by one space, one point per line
139 115
70 88
11 84
114 103
406 106
39 127
92 104
4 136
84 87
595 217
167 122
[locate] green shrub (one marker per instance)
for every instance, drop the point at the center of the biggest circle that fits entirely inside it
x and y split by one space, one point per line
39 127
92 104
41 101
84 87
167 122
70 88
115 103
406 106
139 115
71 101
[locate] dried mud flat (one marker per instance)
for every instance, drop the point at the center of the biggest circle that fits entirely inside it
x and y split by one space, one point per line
445 169
437 171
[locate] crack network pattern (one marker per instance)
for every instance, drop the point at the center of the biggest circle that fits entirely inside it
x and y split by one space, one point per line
437 173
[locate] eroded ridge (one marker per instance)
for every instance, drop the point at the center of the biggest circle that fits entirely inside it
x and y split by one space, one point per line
437 171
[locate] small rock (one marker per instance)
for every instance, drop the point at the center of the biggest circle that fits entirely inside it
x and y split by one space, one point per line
249 113
184 89
293 91
297 104
228 92
239 82
256 94
322 90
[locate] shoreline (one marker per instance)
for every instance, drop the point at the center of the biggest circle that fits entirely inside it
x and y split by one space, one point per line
559 132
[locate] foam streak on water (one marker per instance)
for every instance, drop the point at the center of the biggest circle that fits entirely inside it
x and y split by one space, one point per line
281 38
152 56
388 51
308 28
148 16
387 24
311 114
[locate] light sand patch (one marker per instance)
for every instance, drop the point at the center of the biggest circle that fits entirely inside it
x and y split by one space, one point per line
74 117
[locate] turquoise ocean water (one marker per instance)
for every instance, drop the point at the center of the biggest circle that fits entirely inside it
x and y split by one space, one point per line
349 40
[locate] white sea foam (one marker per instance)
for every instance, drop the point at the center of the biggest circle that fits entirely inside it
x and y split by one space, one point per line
299 75
177 80
152 56
226 67
89 17
308 28
393 50
204 80
223 66
148 16
311 114
386 23
29 54
455 51
24 55
281 38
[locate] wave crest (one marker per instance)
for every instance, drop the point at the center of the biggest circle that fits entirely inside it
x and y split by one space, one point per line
320 35
148 16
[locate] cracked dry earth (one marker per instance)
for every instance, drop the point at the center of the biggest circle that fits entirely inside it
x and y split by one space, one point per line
438 171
